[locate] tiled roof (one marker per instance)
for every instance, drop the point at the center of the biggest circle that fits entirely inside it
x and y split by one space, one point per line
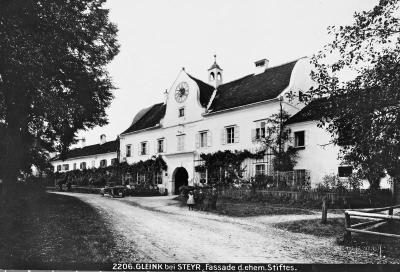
90 150
310 112
253 88
247 90
206 91
150 119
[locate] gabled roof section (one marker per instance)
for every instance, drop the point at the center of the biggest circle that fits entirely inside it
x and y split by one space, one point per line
91 150
206 91
311 112
151 118
253 88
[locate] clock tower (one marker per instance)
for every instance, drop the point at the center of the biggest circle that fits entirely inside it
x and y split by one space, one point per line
215 74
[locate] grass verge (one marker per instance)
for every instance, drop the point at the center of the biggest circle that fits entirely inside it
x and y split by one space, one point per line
49 231
380 247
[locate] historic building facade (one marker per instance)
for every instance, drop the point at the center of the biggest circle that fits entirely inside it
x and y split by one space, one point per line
92 156
198 117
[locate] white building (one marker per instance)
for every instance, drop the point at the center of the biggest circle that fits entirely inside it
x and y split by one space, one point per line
198 117
92 156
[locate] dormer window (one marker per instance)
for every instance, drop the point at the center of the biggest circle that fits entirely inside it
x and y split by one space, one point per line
181 112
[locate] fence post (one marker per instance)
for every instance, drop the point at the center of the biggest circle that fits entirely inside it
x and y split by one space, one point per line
324 210
347 224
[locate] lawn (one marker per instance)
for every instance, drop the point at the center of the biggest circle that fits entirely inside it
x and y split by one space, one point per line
379 246
49 231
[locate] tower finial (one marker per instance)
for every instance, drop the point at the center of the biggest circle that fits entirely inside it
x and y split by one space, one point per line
215 57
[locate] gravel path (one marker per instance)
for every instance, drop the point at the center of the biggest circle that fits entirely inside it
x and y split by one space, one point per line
162 231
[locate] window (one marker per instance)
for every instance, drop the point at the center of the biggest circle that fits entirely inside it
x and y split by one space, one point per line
141 178
93 164
158 178
114 161
103 163
181 112
143 148
299 139
260 169
160 146
74 167
128 150
219 76
230 135
301 96
345 136
203 176
180 142
345 171
58 168
82 165
212 76
203 139
260 131
66 167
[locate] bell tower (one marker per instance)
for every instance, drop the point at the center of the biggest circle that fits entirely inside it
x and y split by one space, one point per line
215 74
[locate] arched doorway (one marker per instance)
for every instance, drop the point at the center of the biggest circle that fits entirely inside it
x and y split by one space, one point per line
181 177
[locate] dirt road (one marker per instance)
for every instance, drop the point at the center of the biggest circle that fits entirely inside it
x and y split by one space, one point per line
162 231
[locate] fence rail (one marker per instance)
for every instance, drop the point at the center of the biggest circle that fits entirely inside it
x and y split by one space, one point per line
377 219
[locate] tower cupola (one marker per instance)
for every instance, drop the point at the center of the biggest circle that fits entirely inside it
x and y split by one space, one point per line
215 74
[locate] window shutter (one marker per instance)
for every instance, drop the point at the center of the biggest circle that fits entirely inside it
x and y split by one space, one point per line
236 134
223 136
253 134
209 143
197 140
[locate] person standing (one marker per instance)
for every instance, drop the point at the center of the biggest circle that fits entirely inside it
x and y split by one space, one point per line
190 202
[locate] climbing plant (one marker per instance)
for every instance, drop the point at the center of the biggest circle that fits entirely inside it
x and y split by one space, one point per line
225 166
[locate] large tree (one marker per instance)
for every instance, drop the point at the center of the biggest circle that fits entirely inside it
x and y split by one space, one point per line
359 74
53 77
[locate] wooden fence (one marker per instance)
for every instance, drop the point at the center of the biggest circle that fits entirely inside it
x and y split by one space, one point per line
376 217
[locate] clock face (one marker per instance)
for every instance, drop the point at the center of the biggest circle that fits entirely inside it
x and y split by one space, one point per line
181 92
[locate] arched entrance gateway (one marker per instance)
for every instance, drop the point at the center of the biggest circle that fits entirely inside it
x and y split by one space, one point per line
180 177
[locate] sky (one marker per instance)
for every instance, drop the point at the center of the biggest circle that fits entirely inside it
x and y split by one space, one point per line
159 37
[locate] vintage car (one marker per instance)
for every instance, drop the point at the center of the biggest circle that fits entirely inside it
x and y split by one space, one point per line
113 190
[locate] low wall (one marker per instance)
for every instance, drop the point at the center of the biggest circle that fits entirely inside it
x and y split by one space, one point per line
383 197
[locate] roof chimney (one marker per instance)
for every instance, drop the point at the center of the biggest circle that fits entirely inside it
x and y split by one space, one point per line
102 139
261 66
83 142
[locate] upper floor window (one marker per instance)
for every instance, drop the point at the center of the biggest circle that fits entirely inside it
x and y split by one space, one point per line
160 146
299 139
181 112
203 139
128 150
259 132
143 148
82 165
230 135
180 142
103 163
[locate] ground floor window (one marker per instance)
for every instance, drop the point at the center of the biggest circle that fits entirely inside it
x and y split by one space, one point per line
158 178
58 168
82 165
103 163
66 167
345 171
260 169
